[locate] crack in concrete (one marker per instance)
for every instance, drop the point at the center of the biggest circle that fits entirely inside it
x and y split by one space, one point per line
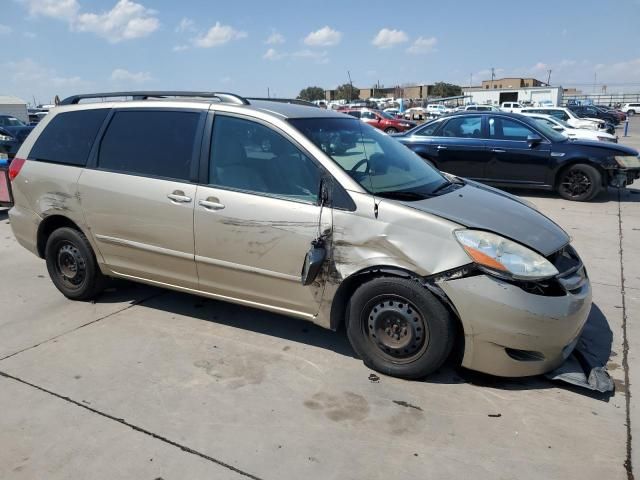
628 465
136 428
133 304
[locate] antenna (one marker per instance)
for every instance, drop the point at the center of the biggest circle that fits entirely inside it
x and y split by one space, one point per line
549 77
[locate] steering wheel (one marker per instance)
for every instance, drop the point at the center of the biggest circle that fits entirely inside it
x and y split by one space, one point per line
359 164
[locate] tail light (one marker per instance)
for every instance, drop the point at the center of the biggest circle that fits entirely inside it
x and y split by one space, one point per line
15 167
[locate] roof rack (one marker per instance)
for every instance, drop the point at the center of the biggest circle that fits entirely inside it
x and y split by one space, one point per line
294 101
144 95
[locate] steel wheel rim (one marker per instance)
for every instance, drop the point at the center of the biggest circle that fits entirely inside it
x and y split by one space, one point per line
576 183
70 265
396 327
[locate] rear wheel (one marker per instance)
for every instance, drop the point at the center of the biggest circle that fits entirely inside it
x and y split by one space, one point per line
390 130
399 328
72 264
579 183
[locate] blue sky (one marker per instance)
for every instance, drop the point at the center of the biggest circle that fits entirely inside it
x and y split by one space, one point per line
70 46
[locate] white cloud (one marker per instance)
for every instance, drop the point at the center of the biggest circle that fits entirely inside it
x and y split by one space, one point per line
423 45
325 37
36 76
180 48
60 9
125 21
125 76
273 54
218 35
29 35
387 38
320 57
186 25
5 29
275 39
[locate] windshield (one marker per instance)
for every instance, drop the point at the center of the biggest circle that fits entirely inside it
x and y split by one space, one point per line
387 115
12 122
379 163
546 130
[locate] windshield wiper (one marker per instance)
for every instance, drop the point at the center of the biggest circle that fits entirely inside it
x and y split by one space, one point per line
400 195
442 186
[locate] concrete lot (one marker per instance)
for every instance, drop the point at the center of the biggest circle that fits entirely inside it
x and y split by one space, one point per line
147 383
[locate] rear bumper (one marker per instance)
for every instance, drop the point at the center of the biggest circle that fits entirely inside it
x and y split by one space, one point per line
24 224
620 177
511 333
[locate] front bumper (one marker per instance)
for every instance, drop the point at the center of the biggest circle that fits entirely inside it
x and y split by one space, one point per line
512 333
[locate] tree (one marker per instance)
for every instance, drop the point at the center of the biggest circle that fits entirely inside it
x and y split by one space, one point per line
311 93
443 89
347 92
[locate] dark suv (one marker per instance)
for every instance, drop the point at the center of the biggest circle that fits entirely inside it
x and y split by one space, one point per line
594 112
509 149
12 133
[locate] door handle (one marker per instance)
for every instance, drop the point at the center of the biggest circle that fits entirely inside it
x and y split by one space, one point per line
178 196
211 204
441 147
498 150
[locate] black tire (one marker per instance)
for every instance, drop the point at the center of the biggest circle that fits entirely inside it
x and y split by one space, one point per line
631 112
399 328
390 130
72 265
579 182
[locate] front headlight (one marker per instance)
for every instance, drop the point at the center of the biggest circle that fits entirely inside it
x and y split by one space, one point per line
606 139
628 161
504 258
5 138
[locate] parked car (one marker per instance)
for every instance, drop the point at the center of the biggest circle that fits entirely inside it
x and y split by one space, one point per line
12 133
589 111
572 119
437 109
579 133
263 212
380 120
615 112
512 107
516 151
480 108
631 108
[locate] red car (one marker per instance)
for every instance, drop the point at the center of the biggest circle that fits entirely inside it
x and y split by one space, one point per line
380 120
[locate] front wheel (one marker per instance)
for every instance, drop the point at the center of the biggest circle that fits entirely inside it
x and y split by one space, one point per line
72 265
579 183
631 113
399 328
390 130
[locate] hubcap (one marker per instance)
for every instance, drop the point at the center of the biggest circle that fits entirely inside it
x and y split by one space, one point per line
576 183
396 327
70 264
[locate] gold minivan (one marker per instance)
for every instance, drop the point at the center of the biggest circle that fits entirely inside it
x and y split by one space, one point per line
301 211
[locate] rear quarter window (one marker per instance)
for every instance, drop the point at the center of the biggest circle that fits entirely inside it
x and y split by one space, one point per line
68 137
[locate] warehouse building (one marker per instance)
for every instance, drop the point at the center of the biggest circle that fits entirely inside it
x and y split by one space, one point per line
528 94
14 107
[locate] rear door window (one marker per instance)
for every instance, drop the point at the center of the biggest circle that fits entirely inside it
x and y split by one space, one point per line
68 138
463 127
153 143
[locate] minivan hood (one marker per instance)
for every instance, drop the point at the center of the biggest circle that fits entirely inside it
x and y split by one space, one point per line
475 206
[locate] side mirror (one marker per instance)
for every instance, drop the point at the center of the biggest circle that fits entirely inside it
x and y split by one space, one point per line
533 140
313 262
